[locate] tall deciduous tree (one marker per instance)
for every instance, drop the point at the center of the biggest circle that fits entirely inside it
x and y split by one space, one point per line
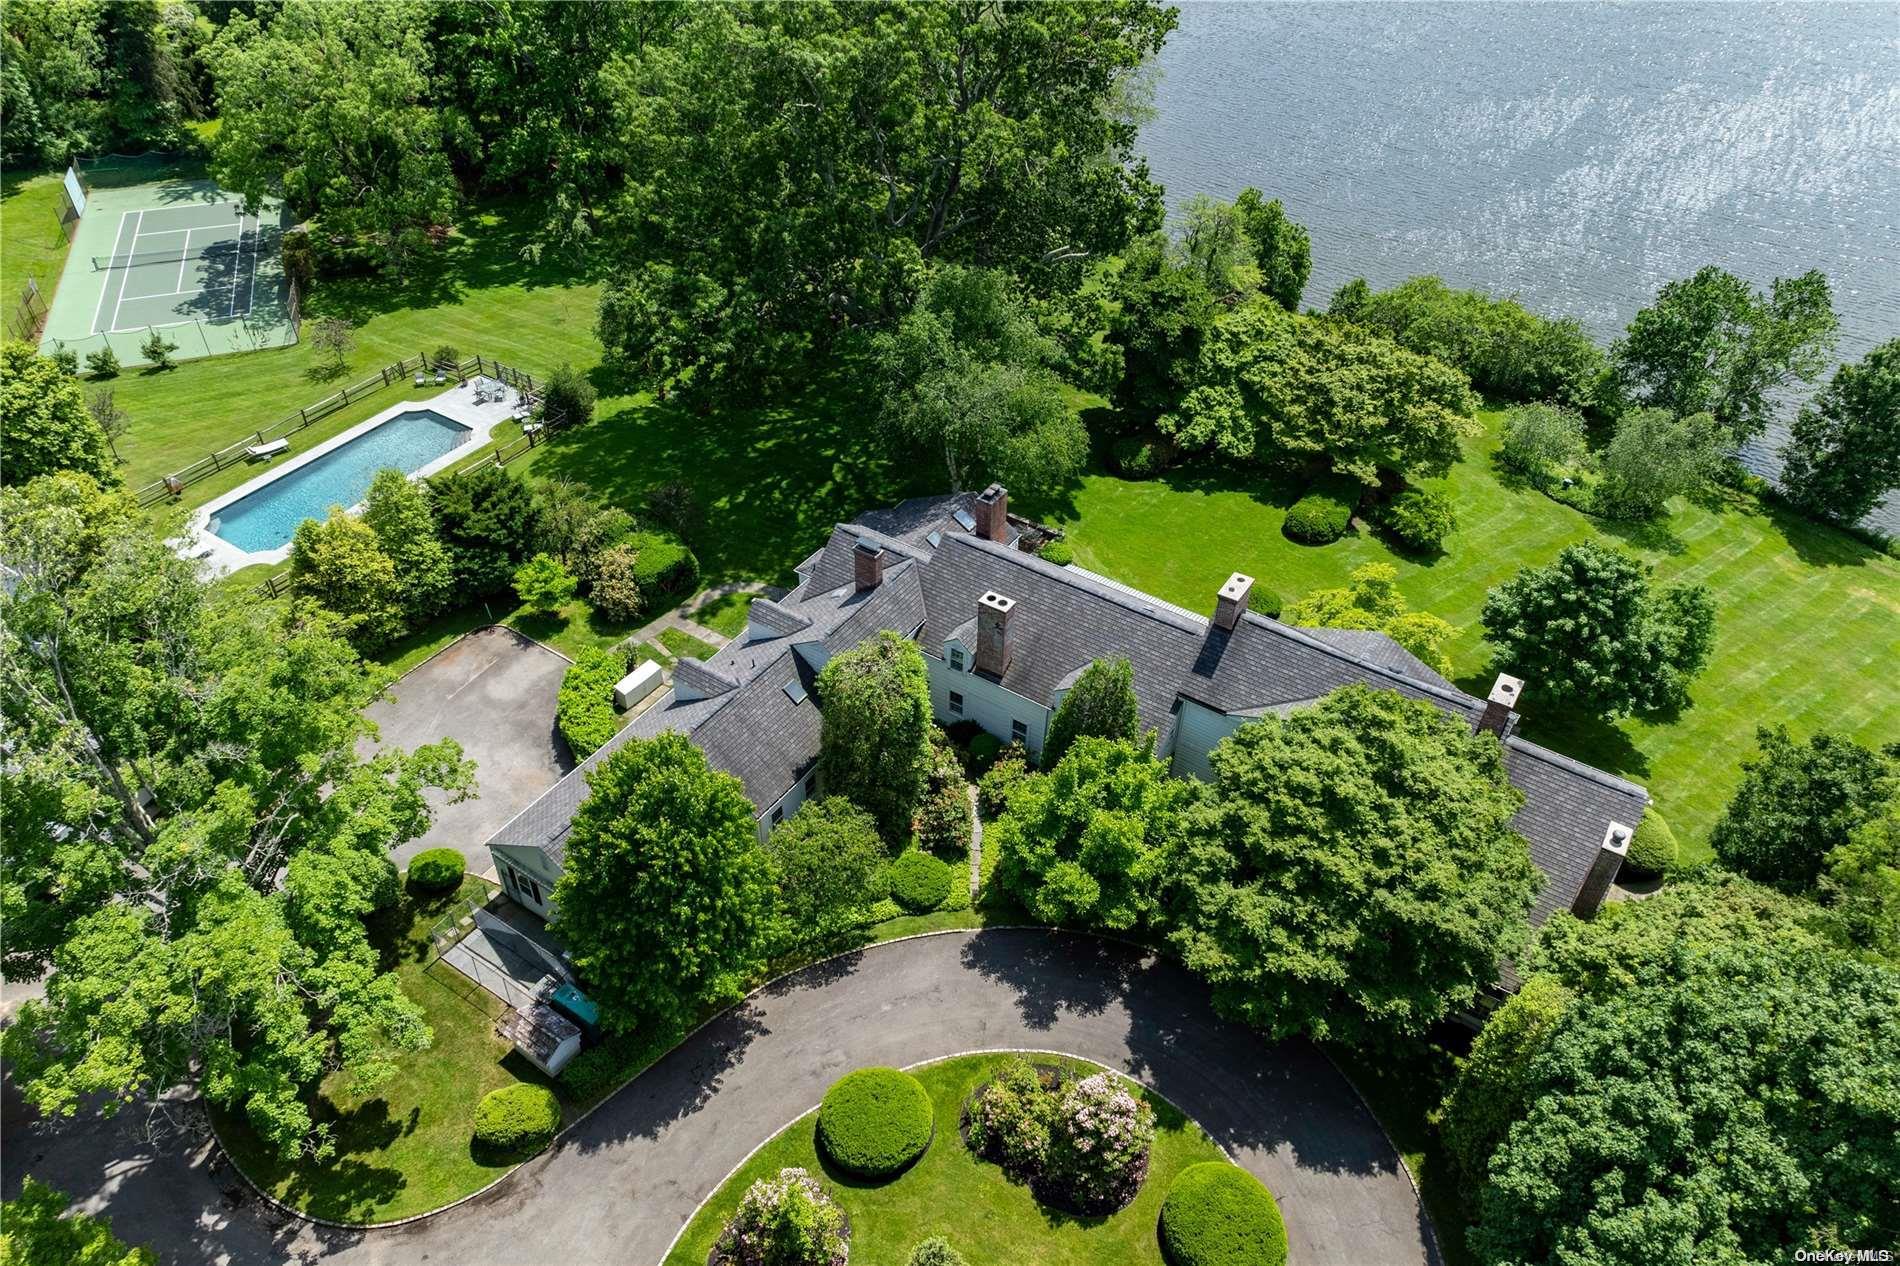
1373 602
1353 871
1796 802
665 900
1843 454
339 564
1654 456
45 424
1282 250
190 840
1216 244
329 105
827 862
1101 704
876 739
1590 632
397 510
488 520
34 1231
1712 343
1163 314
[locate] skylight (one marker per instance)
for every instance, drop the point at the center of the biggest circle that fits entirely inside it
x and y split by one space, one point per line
795 690
966 519
935 539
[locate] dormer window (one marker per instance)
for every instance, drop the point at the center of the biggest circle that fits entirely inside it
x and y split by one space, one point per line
956 658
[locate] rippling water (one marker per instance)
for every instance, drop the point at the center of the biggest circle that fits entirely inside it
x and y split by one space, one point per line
1576 155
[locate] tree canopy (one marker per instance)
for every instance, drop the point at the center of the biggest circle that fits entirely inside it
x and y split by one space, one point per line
1373 601
1101 704
1796 802
191 840
827 861
1843 452
338 563
1353 871
45 425
1654 456
665 898
877 724
34 1231
1282 250
1589 631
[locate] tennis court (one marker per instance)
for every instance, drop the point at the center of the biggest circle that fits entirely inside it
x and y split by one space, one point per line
181 257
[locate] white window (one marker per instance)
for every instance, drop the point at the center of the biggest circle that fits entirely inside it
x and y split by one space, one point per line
778 814
956 659
956 704
1018 732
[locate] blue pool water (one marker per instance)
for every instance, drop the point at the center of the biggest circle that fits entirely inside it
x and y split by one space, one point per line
267 518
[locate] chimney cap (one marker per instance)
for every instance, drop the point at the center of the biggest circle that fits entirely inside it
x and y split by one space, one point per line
991 493
1506 689
869 546
995 601
1237 584
1616 839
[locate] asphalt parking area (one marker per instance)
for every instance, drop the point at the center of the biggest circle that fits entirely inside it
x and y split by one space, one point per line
493 692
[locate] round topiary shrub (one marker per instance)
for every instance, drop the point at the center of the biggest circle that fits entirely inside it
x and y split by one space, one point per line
919 882
1264 601
517 1118
785 1220
936 1251
1317 518
1057 552
875 1122
1420 520
1218 1214
437 869
984 749
1653 848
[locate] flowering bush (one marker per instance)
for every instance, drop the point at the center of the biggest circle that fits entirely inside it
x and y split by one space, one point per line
1009 1120
1098 1146
785 1221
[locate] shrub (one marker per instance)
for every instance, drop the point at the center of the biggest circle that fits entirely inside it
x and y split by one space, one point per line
1317 519
920 882
875 1122
663 566
543 584
995 787
1009 1120
1421 520
437 869
984 749
616 592
1218 1214
1098 1145
1541 440
65 357
787 1220
446 357
158 350
943 821
1653 848
1057 552
1142 457
674 504
567 398
103 363
584 710
517 1118
936 1251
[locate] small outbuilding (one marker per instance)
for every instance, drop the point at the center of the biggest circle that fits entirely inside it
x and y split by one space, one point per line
637 685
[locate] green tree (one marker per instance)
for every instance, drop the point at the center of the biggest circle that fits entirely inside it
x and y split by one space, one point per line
1372 601
158 350
665 901
828 866
1217 246
339 564
1353 872
875 748
543 585
1101 704
966 377
1712 343
1542 441
1796 802
35 1232
1591 633
190 839
1654 456
567 397
113 421
1084 845
1271 386
1861 884
44 422
50 81
1161 318
1843 453
397 510
1282 250
333 338
488 520
753 234
328 104
1490 1093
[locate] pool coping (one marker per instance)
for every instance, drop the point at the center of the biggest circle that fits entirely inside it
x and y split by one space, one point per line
456 404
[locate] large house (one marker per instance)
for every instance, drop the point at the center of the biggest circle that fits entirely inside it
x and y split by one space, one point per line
1005 634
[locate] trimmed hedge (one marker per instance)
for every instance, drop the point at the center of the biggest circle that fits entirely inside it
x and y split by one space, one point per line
919 882
517 1118
1419 519
1057 552
584 710
1653 848
437 869
1218 1214
664 566
875 1122
1317 519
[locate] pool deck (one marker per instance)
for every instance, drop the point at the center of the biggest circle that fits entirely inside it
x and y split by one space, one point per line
221 558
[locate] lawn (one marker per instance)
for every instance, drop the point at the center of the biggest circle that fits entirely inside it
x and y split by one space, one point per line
1806 628
32 245
406 1147
575 628
679 644
989 1219
727 614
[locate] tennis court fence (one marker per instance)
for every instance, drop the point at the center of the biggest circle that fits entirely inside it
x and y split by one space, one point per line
234 453
28 313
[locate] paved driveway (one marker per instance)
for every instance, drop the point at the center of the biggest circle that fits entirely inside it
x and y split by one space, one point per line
493 692
619 1187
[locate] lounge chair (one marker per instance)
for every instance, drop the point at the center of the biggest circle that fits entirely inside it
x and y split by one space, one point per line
270 448
420 380
440 377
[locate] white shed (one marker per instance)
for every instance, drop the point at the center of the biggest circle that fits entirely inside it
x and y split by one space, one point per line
548 1038
637 685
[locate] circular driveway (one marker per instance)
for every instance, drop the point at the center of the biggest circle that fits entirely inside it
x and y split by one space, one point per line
618 1187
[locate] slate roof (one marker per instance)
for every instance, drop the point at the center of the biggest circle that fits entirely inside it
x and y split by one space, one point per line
1378 649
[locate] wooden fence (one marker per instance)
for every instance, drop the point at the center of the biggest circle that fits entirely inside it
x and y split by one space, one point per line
232 454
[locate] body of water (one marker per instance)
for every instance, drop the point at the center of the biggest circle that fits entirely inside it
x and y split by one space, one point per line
1577 155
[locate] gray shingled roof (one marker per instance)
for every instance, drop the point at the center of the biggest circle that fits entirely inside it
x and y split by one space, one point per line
1379 649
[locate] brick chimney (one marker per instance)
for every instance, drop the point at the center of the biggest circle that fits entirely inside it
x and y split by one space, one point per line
992 633
992 514
1609 860
1500 710
867 564
1231 603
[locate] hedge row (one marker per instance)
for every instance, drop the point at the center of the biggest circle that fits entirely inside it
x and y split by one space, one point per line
517 1118
585 709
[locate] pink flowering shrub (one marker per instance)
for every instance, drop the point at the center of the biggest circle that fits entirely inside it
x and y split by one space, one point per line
785 1221
1098 1146
1009 1120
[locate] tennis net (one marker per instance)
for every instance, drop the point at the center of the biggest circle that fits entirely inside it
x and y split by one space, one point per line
211 253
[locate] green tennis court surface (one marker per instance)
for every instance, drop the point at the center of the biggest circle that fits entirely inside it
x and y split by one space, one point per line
180 257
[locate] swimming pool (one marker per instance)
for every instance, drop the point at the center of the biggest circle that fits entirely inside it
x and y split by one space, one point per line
267 518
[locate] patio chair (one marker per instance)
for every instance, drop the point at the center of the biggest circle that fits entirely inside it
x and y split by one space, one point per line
420 382
440 377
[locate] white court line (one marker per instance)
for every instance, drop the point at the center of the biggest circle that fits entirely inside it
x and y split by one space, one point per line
237 274
121 298
184 258
99 308
250 301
